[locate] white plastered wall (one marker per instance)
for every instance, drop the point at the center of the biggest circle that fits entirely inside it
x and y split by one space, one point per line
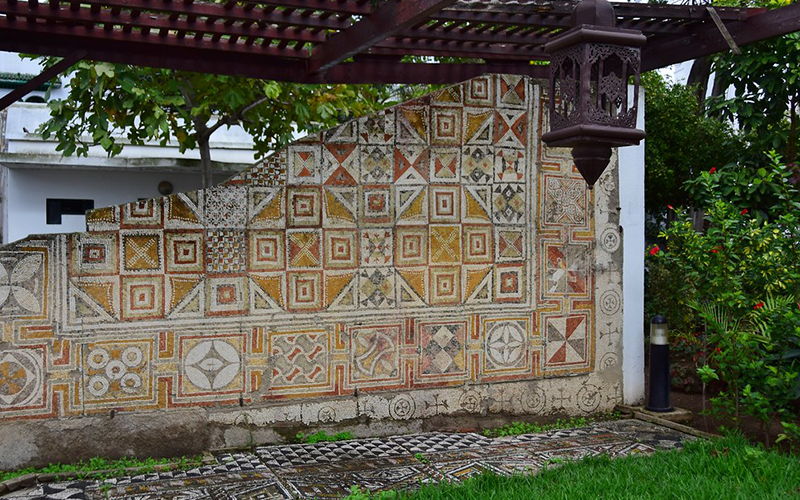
631 194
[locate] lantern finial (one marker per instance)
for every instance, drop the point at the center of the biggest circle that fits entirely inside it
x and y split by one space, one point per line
594 13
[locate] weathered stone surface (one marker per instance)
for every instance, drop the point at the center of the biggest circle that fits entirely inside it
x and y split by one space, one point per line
38 443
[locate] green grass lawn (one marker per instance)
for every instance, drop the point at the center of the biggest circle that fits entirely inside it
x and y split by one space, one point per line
725 469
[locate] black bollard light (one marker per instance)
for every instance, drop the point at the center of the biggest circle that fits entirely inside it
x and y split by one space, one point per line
659 365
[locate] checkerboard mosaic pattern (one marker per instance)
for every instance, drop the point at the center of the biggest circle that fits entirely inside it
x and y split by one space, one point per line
435 245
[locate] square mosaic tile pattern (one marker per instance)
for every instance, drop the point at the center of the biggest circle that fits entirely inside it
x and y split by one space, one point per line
328 470
434 244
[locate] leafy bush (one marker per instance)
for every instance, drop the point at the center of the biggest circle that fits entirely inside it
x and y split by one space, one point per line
681 142
740 279
768 191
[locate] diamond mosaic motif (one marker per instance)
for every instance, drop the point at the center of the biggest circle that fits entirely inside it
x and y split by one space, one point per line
443 349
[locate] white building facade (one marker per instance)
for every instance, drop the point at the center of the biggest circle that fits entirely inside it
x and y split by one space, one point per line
33 172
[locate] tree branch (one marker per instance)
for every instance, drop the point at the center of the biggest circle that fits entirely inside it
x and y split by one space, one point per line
234 119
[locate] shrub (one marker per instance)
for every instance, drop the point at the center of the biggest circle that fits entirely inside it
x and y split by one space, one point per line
740 279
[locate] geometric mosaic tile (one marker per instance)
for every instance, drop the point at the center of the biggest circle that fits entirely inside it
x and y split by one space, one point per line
185 252
398 463
506 345
23 289
141 252
142 297
411 164
226 251
375 354
565 201
142 214
566 269
567 340
117 371
300 359
443 349
226 206
93 254
509 282
22 378
211 365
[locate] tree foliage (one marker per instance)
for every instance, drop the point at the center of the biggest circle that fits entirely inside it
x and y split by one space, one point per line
681 142
766 82
111 105
740 281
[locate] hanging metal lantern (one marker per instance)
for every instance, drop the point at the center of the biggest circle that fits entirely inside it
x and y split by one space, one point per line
591 65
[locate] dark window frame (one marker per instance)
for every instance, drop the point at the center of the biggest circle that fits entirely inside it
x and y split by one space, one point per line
56 207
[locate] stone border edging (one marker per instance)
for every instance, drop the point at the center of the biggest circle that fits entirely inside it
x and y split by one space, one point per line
632 412
29 480
674 426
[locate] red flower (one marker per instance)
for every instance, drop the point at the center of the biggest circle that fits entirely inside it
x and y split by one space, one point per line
654 250
744 211
719 351
713 169
716 249
670 207
759 305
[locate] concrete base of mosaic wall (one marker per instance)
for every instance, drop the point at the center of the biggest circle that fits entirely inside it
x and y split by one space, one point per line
176 433
434 259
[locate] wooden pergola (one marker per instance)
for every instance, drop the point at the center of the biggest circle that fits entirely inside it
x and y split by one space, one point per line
356 41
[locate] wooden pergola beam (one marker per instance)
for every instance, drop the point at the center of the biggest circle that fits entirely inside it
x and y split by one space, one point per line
253 66
559 15
210 10
40 79
484 37
144 41
390 18
159 22
341 7
304 40
433 48
708 40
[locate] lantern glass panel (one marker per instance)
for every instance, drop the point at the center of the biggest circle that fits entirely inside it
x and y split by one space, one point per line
612 68
566 76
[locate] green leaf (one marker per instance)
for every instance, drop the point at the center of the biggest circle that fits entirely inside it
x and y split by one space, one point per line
104 69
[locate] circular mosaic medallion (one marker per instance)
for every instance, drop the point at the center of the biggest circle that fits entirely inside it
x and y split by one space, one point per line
505 343
589 398
402 407
534 400
20 378
212 364
610 240
610 302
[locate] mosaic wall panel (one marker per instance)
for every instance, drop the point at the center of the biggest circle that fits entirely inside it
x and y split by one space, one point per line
434 257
